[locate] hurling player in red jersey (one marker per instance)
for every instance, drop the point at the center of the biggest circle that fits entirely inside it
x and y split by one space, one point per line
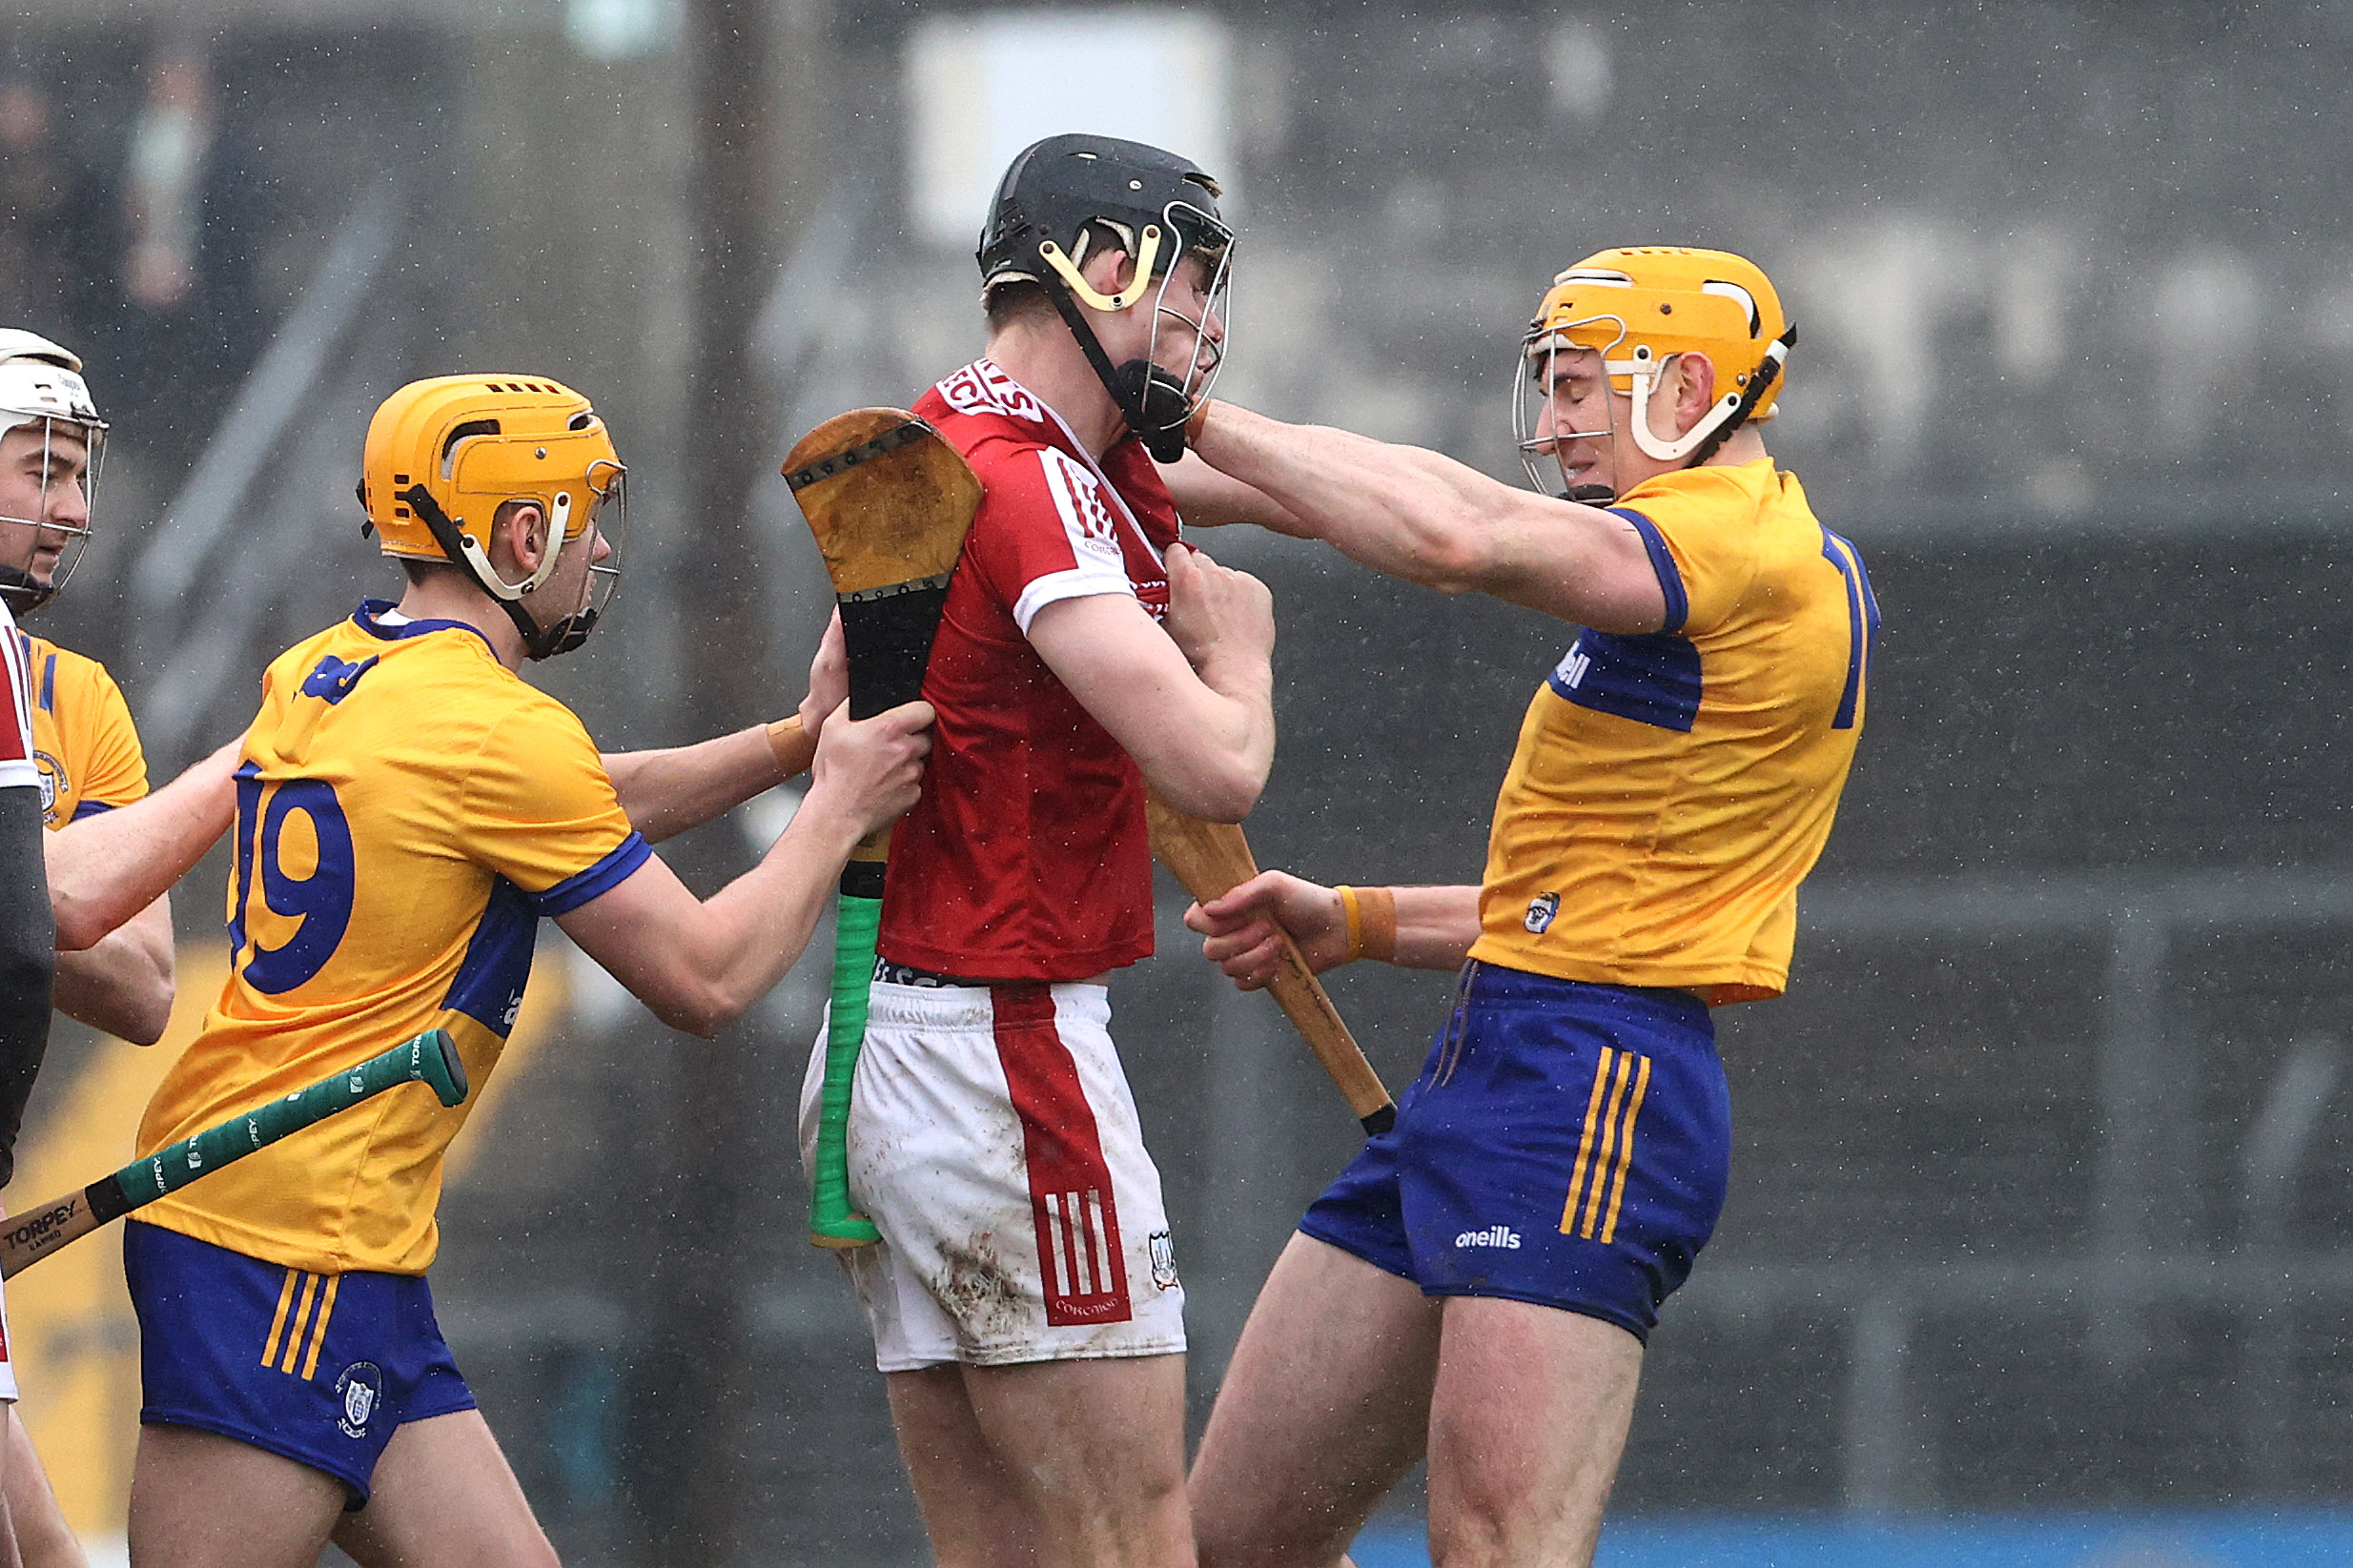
1024 1297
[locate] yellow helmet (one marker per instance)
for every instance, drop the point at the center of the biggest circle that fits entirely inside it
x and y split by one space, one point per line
443 455
1639 306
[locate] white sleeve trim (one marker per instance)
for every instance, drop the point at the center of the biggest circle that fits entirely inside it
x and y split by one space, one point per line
20 775
1083 583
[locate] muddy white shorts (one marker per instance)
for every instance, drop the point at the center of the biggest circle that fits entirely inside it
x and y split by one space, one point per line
994 1144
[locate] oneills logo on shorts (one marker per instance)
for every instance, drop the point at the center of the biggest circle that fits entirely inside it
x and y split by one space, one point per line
1539 912
1494 1235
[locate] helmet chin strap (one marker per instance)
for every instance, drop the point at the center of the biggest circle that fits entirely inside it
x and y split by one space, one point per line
1704 439
1150 400
538 642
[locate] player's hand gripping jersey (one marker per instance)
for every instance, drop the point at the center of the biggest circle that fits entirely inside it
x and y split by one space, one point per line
1027 857
407 810
83 738
1671 790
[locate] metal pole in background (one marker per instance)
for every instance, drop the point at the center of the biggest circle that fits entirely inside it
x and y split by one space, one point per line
687 1409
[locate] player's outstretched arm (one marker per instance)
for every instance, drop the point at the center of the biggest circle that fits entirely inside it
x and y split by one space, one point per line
1206 498
670 791
1413 927
1193 703
123 984
1426 518
106 868
700 964
664 793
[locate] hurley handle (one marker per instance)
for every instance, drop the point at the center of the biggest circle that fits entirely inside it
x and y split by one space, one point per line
1213 859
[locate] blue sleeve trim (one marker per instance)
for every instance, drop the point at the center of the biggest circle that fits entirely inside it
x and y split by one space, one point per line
596 880
90 809
1663 562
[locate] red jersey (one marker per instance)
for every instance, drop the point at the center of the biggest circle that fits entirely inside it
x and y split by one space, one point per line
17 767
1027 857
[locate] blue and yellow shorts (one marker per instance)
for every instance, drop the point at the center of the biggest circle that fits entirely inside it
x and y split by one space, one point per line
319 1368
1566 1144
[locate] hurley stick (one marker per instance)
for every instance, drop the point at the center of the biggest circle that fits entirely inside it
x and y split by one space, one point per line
27 1239
889 503
1213 859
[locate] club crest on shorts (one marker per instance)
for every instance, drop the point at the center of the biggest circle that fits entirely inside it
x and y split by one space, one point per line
1539 912
359 1387
1162 1247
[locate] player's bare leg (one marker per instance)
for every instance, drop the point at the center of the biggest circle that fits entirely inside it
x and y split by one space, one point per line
1092 1452
202 1501
1527 1428
36 1523
970 1506
443 1495
1322 1412
10 1557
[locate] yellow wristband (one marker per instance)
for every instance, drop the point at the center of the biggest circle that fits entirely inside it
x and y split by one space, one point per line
1349 907
1195 420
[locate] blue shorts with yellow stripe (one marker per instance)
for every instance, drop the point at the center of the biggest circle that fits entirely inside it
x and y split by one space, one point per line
319 1368
1567 1143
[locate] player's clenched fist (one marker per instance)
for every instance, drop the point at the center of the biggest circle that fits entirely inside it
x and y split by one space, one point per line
1216 613
1238 928
871 769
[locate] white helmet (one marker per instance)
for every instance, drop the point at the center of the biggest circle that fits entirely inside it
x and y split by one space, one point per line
41 383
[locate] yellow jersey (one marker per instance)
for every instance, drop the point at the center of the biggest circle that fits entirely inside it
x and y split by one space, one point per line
1670 790
407 808
84 743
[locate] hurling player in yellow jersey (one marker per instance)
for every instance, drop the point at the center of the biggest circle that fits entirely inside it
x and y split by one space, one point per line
1478 1286
408 808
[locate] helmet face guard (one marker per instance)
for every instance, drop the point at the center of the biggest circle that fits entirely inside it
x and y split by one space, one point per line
1535 394
608 517
42 386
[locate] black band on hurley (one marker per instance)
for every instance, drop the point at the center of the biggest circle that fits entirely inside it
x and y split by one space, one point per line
887 637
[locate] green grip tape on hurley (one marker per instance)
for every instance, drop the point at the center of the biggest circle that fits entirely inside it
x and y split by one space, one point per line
831 1221
429 1058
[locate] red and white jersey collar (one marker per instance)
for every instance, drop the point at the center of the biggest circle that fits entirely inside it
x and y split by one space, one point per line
983 389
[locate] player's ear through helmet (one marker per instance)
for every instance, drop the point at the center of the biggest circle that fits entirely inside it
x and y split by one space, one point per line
444 454
1626 313
1055 203
41 384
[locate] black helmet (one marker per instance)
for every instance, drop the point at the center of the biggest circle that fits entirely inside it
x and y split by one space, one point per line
1161 207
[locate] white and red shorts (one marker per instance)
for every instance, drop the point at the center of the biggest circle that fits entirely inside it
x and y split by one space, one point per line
8 1365
993 1143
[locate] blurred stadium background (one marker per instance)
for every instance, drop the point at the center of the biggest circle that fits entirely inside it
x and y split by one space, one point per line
2040 1247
